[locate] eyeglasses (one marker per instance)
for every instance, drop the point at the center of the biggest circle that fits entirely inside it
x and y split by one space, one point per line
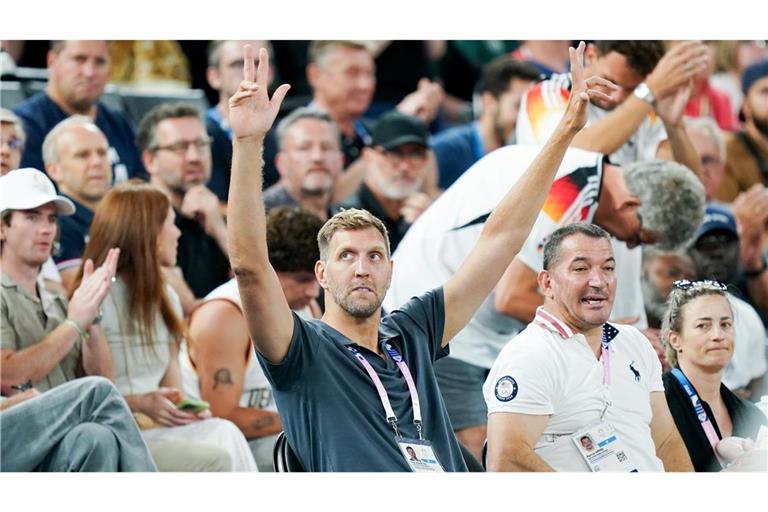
412 156
685 284
716 241
13 142
181 147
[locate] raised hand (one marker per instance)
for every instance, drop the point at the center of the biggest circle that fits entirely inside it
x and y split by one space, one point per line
94 287
582 90
251 111
423 103
672 106
677 67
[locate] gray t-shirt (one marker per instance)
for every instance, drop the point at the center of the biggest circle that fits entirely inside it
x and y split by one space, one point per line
331 412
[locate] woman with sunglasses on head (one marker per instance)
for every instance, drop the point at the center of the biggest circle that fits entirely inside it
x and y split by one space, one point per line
697 331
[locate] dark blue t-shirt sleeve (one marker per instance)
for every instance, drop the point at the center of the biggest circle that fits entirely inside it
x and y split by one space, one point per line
33 147
423 317
71 243
287 374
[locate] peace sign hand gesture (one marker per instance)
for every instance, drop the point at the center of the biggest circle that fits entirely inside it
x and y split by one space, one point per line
251 111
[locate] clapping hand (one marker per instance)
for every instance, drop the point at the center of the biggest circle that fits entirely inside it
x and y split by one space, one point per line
94 287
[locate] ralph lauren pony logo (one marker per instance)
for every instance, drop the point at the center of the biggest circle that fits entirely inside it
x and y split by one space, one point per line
634 371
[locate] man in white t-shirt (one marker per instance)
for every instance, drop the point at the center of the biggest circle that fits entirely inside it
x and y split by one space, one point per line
219 364
668 197
570 374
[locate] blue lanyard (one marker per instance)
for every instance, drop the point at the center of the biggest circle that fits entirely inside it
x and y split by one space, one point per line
701 414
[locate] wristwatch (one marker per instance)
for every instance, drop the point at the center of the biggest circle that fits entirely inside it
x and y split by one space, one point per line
644 92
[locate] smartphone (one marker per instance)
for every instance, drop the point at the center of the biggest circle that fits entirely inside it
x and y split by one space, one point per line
193 405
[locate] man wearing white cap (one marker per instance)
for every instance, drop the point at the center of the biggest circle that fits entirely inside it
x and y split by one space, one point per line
44 340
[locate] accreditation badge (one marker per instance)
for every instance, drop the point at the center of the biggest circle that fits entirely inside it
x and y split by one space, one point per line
420 456
602 449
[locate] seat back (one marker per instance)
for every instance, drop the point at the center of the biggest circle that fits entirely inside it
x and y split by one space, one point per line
284 459
11 94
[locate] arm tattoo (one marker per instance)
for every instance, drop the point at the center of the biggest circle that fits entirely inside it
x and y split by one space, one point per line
222 376
263 422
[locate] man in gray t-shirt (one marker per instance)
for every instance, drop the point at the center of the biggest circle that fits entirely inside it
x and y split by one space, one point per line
354 389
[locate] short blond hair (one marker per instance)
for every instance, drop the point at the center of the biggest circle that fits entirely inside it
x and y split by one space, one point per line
351 219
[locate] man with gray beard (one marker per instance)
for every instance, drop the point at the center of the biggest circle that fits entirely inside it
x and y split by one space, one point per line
396 165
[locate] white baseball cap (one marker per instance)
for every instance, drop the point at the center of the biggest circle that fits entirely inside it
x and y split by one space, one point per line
25 189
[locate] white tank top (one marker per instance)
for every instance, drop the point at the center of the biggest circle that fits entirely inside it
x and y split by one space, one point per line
256 389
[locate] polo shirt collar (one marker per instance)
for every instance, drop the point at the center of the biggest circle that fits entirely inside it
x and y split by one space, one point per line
553 324
386 334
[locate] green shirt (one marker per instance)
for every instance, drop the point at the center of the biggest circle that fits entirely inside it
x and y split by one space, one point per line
27 320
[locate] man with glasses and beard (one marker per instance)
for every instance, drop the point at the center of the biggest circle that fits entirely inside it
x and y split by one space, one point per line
396 167
177 154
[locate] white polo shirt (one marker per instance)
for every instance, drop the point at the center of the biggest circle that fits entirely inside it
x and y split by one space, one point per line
549 370
440 240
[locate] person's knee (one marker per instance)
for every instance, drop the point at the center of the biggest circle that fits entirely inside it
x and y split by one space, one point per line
90 447
99 387
189 456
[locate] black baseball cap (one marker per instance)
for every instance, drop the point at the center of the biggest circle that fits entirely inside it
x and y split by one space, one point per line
394 129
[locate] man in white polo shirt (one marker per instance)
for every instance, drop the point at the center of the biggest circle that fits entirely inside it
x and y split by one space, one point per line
657 202
570 374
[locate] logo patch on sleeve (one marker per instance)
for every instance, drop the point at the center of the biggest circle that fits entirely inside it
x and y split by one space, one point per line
506 389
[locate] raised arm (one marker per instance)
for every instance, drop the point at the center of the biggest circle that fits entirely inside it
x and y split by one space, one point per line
251 114
517 293
511 221
673 72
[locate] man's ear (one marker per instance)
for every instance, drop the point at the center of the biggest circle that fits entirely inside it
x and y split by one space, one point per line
367 153
320 274
50 57
212 75
488 103
544 280
629 203
280 157
52 170
148 158
313 75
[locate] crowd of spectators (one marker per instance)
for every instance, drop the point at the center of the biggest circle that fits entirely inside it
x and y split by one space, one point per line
586 226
